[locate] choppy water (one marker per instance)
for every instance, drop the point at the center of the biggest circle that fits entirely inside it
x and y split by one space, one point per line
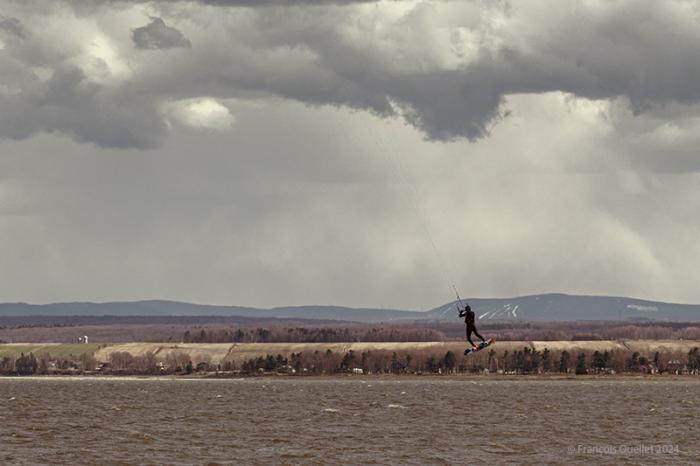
348 420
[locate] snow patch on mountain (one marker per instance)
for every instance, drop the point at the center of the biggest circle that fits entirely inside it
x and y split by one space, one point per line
639 307
504 312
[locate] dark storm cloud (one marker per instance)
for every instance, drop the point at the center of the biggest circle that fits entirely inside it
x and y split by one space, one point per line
11 26
158 35
446 68
261 3
256 3
65 105
588 53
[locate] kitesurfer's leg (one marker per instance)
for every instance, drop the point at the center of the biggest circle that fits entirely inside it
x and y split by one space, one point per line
469 337
477 334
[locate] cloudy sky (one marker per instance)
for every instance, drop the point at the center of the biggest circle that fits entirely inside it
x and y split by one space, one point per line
355 153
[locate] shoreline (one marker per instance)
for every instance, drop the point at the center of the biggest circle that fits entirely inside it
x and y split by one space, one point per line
364 377
504 359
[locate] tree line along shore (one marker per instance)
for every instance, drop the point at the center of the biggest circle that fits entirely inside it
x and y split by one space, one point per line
678 357
202 329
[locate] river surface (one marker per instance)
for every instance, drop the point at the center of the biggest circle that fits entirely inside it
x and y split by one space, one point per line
351 420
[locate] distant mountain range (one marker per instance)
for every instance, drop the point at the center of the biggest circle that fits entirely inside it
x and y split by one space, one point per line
553 307
544 307
176 308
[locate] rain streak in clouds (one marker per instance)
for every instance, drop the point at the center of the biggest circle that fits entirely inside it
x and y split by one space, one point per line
224 146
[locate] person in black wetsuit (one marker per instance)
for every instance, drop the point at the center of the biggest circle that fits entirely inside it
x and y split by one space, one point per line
468 315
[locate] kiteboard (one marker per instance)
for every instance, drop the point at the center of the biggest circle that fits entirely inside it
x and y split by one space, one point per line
480 346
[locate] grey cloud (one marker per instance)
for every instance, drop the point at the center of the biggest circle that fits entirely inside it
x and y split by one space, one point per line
585 53
12 26
66 104
157 35
593 55
265 3
445 107
259 3
328 56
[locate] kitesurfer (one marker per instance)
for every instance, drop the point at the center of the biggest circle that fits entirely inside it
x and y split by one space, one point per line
468 315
